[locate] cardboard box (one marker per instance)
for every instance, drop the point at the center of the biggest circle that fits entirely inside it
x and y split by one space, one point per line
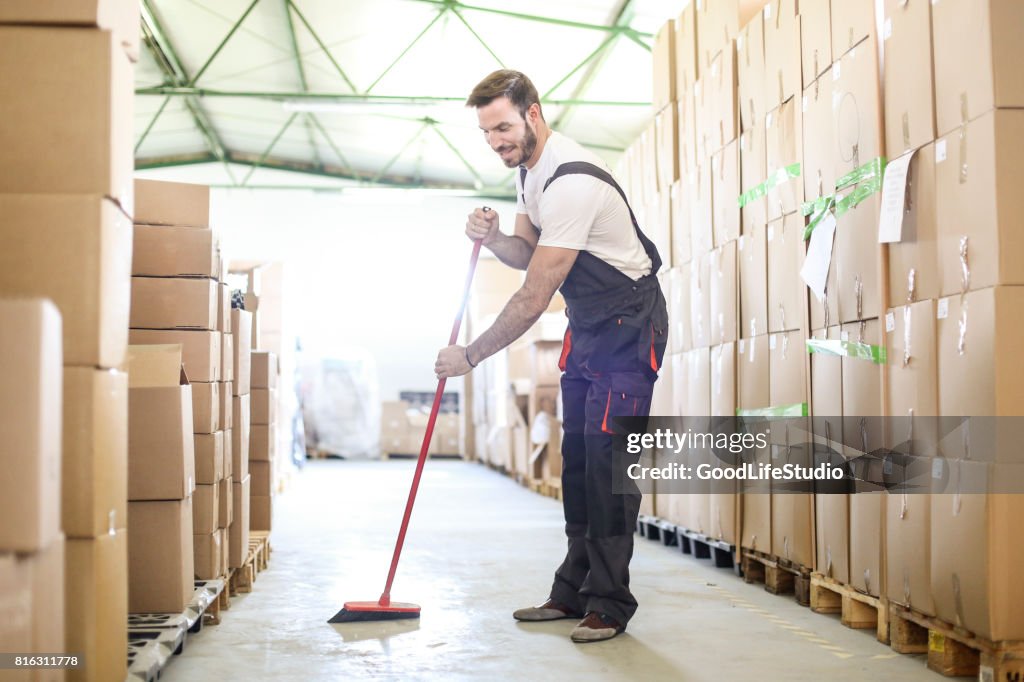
261 510
856 258
663 55
666 128
752 252
976 47
786 297
724 308
205 407
700 301
857 108
173 303
158 202
686 67
698 373
226 497
815 39
832 536
680 337
241 323
229 458
818 170
160 556
544 356
753 171
224 308
973 544
207 556
913 261
793 522
227 357
867 525
238 533
978 198
161 447
46 575
750 68
912 389
701 218
753 363
649 168
121 18
262 442
262 478
722 124
717 25
200 349
908 79
756 523
908 549
74 250
263 406
225 548
15 604
978 372
265 370
783 77
94 500
205 509
680 232
852 22
30 424
723 380
827 389
96 605
725 188
786 352
87 67
686 134
226 400
209 449
784 153
167 251
240 439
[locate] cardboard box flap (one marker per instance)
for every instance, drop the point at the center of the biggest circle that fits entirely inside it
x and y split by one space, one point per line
156 366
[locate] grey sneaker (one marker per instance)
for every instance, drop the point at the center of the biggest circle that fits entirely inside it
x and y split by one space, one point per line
549 610
596 627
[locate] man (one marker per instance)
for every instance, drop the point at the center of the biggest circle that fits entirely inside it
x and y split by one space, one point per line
574 230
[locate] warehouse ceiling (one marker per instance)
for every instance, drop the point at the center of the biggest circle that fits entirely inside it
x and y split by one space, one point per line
370 93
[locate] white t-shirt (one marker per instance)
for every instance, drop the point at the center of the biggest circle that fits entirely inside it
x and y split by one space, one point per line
579 211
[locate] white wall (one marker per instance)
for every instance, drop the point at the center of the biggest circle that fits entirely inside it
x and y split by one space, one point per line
381 270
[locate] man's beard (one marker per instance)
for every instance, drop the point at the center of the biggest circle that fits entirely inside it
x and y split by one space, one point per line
528 147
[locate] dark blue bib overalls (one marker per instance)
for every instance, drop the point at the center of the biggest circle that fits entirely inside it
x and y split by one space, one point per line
613 348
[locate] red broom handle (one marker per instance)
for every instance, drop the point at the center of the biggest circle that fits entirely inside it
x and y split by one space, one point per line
385 599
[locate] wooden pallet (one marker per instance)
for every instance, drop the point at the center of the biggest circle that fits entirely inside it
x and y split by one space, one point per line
952 650
857 610
778 575
701 546
243 577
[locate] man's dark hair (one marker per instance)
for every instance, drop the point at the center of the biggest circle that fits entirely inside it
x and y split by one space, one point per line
505 83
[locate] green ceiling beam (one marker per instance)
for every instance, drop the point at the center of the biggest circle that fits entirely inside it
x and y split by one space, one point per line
408 47
454 4
270 147
302 80
455 150
384 171
478 38
335 148
323 47
223 42
600 48
166 57
347 97
152 122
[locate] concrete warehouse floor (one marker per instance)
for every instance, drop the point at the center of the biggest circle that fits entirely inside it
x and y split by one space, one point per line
478 547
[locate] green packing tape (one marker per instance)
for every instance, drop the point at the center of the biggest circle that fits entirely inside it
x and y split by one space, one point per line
794 410
782 175
868 179
872 169
848 349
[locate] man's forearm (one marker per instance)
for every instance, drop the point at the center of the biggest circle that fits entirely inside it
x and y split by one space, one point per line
513 251
522 310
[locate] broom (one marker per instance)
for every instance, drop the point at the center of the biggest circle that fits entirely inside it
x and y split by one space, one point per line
384 608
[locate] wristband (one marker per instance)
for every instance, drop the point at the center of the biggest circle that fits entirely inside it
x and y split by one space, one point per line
468 361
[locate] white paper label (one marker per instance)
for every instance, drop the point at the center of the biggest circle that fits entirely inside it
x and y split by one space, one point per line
940 151
739 43
771 232
937 468
768 11
743 142
836 71
818 261
942 311
772 342
768 120
739 242
890 322
894 192
844 335
803 103
743 346
887 29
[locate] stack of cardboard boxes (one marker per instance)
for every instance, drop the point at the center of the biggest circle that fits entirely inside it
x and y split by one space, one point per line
64 219
32 547
264 376
241 421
